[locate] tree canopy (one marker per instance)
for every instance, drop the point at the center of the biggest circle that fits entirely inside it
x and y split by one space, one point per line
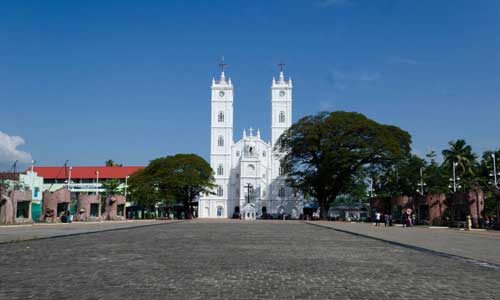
325 152
182 177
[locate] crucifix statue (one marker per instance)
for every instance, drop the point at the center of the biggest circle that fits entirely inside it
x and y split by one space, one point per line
249 190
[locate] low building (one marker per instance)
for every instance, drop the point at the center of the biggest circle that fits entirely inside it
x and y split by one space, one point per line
350 212
83 179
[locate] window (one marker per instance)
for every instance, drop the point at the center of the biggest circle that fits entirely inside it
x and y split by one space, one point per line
220 142
281 171
94 210
237 153
220 209
220 117
220 170
220 191
281 192
263 153
23 209
119 209
282 117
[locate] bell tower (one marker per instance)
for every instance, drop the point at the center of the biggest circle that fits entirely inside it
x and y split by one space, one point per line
281 102
221 135
281 115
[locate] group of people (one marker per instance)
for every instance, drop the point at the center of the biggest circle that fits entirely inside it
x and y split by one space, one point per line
407 219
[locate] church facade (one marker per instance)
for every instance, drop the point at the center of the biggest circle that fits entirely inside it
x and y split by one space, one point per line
249 179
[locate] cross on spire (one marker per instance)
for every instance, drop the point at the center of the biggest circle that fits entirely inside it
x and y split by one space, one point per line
282 66
222 65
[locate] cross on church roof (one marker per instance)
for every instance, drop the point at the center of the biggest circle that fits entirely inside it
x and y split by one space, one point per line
282 66
222 65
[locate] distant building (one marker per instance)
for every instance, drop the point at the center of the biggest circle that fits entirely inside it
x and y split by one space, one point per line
82 179
350 211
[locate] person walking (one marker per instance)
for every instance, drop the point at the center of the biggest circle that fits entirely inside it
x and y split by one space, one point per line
377 219
386 220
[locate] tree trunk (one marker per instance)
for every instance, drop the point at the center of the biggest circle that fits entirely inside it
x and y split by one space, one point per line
323 206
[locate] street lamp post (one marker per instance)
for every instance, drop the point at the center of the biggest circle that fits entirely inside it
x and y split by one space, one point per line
69 177
370 192
97 183
495 181
126 186
422 183
455 179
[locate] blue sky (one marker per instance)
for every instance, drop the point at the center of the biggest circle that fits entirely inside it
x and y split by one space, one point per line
129 80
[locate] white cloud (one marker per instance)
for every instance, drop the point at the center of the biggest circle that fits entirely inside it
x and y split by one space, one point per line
9 152
330 3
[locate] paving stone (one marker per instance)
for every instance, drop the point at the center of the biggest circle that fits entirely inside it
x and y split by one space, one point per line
233 260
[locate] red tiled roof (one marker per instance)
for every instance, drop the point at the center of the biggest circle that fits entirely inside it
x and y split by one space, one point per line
85 172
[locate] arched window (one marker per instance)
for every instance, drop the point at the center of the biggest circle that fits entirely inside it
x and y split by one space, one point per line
282 117
281 192
220 210
220 170
220 191
263 153
220 117
220 142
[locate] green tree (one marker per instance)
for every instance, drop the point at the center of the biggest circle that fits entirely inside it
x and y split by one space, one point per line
486 181
324 153
112 163
461 154
182 177
143 190
435 176
110 186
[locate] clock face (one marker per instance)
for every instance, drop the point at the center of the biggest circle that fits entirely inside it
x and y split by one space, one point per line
221 94
282 93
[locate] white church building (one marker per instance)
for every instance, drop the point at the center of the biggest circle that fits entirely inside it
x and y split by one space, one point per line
248 177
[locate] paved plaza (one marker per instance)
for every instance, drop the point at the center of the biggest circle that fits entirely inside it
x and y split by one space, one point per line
479 245
234 260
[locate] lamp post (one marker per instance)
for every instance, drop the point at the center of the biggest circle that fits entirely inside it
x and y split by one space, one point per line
422 183
494 175
97 183
370 191
126 186
69 177
32 177
495 183
455 179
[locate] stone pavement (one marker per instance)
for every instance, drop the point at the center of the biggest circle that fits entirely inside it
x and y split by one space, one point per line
233 260
15 233
479 245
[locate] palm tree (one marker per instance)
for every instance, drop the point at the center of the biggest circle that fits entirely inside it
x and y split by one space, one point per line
461 154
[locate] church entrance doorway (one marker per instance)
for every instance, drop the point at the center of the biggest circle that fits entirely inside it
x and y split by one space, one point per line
236 214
